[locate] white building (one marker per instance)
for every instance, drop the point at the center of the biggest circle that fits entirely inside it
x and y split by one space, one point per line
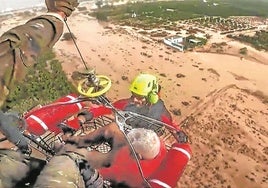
175 42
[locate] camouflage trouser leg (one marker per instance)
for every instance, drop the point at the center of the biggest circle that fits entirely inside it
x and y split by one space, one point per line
13 168
91 176
68 170
61 171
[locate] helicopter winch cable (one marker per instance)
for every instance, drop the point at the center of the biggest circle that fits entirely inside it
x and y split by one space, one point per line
80 54
121 116
111 106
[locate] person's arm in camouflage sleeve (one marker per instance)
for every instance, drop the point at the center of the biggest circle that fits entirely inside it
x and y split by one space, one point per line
21 46
9 127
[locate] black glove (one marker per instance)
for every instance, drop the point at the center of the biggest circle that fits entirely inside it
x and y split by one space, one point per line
88 116
66 129
90 175
66 6
181 136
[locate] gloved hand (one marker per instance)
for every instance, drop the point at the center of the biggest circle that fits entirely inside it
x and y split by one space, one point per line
65 6
66 129
84 116
181 136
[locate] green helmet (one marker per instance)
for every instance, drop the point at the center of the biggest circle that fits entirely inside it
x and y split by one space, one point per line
145 85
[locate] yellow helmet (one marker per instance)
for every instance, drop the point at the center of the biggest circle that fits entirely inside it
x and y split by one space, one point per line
145 85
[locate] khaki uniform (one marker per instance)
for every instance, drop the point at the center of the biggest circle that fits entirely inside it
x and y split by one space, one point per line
13 168
61 171
21 46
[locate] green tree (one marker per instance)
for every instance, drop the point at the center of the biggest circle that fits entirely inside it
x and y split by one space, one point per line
243 51
99 3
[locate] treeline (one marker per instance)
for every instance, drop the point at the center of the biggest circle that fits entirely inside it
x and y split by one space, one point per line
181 10
258 41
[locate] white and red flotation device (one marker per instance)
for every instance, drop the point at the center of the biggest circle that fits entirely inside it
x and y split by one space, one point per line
164 174
47 118
172 167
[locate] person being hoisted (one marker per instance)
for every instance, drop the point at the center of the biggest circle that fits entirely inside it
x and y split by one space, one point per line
144 100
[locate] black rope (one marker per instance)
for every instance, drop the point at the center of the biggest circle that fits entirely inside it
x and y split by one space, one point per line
117 113
80 54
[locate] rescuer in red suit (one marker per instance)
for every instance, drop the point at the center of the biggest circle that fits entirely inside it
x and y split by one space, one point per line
144 100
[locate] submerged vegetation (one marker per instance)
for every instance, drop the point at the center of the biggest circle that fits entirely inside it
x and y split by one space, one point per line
215 15
258 41
166 11
44 82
